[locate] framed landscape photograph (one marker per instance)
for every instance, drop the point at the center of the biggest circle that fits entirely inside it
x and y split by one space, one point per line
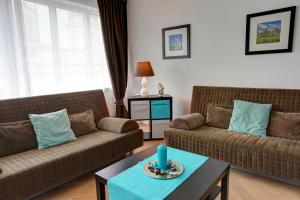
270 31
176 42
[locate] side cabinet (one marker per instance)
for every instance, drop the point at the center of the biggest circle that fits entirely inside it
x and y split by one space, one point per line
153 111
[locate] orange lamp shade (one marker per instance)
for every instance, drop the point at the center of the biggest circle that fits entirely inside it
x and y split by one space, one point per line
144 69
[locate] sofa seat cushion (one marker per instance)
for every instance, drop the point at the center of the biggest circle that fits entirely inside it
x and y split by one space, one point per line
34 158
30 172
271 155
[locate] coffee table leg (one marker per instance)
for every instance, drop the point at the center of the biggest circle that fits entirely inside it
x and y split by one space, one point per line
100 187
224 186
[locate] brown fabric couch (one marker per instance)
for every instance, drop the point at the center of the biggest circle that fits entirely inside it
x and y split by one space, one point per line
274 157
32 172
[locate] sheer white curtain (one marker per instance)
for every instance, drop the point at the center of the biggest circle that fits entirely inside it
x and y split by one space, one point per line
50 46
10 63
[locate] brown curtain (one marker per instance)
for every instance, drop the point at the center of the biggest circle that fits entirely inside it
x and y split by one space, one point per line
113 14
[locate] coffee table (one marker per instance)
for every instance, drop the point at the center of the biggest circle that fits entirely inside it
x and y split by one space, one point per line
202 184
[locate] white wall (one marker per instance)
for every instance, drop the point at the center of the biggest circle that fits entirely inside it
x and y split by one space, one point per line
110 101
217 47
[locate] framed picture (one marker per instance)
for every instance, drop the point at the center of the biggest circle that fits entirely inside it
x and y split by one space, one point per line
270 31
176 42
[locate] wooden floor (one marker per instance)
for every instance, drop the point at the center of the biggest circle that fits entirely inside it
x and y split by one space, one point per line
242 186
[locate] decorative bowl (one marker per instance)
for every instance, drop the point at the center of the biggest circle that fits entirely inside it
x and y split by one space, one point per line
174 169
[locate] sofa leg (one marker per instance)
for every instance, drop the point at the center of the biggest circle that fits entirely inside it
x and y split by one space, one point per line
130 153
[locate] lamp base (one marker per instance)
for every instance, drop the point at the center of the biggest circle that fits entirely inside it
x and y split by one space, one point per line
144 91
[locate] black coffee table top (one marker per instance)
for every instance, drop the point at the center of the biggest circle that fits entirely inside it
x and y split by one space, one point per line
202 184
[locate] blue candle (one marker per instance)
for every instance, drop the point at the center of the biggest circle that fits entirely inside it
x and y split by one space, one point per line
162 157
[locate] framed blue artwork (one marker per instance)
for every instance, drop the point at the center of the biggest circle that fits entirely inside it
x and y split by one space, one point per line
176 42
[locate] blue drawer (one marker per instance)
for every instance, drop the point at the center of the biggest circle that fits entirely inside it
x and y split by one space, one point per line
160 109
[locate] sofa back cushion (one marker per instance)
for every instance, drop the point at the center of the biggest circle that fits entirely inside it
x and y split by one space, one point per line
16 137
282 100
218 115
12 110
284 125
83 123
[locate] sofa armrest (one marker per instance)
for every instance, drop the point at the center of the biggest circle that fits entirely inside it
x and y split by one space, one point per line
188 122
117 125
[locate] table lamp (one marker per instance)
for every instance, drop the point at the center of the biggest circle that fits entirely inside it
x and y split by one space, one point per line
144 69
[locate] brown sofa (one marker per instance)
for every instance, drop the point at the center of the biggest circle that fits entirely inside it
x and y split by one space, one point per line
27 174
273 157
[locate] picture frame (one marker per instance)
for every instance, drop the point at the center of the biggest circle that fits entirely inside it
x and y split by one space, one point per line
176 42
270 31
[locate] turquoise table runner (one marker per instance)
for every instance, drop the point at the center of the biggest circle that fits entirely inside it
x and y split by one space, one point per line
134 184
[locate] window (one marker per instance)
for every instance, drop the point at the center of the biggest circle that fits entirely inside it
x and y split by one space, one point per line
63 47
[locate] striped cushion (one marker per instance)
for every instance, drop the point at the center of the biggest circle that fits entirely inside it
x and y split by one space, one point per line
31 172
270 155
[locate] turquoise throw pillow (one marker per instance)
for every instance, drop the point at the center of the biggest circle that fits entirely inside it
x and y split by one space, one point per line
250 118
52 128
